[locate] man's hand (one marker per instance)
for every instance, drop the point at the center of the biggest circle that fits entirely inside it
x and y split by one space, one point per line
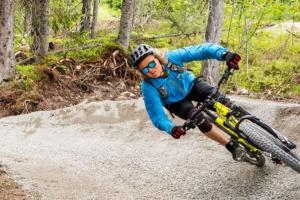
232 59
177 131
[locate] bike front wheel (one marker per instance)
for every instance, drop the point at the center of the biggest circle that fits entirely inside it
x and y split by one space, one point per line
264 141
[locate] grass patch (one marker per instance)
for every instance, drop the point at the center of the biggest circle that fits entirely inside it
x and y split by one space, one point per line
81 48
107 13
271 65
27 77
30 71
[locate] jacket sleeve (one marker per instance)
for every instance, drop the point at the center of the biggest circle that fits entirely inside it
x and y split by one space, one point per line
154 107
196 52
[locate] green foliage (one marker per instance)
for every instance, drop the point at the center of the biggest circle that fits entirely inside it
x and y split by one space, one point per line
81 48
273 57
91 54
17 40
19 13
30 71
63 69
27 75
282 10
114 4
183 15
64 16
108 13
272 66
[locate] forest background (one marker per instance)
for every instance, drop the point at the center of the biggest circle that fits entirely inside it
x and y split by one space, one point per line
265 33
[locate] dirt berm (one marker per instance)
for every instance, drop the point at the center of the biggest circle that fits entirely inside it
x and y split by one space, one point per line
110 150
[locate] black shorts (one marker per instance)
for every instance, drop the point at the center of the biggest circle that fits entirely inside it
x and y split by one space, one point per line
183 108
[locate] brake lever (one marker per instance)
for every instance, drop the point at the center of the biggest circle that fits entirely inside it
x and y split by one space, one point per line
189 124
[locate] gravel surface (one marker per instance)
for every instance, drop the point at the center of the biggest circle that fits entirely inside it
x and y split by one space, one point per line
110 150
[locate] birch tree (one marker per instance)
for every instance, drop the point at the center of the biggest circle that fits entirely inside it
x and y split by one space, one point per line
126 22
27 16
7 58
85 24
213 34
95 15
40 12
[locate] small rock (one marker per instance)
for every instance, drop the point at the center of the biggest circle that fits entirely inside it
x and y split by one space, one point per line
138 87
126 93
231 92
24 46
243 91
253 95
18 76
2 172
20 56
132 95
110 84
121 98
78 67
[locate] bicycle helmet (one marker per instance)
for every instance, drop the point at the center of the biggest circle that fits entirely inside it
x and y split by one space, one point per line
139 53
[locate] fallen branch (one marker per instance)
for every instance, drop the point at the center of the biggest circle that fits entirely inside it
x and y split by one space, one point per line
293 34
27 61
168 35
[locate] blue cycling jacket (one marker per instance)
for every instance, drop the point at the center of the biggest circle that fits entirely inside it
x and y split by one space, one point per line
177 85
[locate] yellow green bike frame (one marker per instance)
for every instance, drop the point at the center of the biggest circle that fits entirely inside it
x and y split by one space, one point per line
222 117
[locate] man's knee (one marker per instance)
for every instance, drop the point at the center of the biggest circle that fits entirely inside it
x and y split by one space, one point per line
204 125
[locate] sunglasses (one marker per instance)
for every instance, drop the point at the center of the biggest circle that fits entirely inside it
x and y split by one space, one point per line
151 65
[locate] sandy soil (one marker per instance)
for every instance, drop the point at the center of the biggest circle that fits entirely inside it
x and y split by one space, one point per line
110 150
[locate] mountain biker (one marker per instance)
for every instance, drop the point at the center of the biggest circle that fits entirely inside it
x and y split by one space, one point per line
166 83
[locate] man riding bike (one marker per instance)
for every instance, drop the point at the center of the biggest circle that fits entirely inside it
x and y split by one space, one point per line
166 83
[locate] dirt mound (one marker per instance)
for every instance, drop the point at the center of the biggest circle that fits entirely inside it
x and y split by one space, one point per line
9 189
284 117
67 83
288 122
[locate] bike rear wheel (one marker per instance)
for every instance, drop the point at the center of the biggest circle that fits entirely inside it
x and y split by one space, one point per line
262 139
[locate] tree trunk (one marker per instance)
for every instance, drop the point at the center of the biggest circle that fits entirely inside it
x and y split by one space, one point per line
86 16
7 58
210 68
27 18
126 22
95 15
40 12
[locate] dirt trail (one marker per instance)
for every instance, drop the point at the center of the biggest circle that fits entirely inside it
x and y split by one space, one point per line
110 150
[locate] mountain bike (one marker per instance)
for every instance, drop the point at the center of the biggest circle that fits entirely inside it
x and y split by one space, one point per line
257 137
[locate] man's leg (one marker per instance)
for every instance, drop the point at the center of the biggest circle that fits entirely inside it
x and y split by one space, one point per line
200 91
217 135
185 109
